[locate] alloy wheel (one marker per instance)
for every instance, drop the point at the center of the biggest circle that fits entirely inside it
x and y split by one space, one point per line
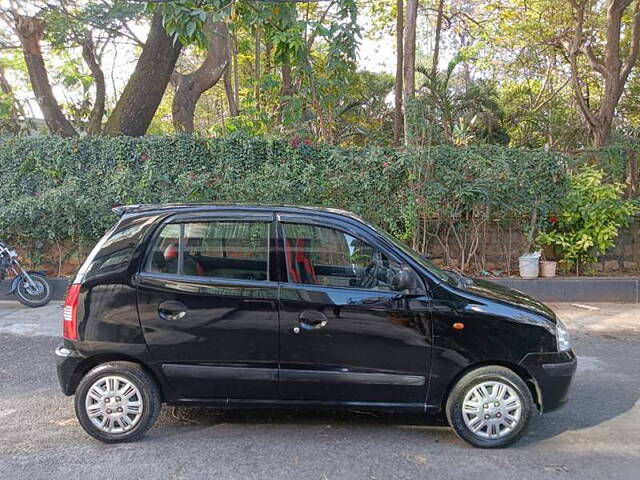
114 404
492 409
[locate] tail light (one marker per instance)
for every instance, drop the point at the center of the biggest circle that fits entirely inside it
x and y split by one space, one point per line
70 324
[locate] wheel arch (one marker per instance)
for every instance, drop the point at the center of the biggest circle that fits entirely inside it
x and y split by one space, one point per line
528 379
89 363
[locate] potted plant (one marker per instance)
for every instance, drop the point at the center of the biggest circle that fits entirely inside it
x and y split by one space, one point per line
548 266
590 217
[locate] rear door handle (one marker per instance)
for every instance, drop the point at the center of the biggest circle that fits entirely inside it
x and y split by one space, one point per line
312 319
172 310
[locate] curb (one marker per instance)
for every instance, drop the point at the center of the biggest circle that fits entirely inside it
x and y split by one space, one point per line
581 289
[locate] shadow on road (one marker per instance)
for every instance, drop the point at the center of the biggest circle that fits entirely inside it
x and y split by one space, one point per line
600 392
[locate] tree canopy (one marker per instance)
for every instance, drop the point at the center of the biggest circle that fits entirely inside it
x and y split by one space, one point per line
535 73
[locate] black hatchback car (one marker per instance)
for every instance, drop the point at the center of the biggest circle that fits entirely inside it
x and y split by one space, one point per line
270 306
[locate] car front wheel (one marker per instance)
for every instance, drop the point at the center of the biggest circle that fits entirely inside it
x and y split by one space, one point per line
490 407
117 402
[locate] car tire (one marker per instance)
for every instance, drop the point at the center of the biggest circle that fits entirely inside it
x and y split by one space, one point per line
117 402
490 407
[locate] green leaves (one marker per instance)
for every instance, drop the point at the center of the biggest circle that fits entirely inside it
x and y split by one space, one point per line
183 20
58 189
590 217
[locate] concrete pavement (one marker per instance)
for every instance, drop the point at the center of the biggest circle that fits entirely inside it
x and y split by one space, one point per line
596 436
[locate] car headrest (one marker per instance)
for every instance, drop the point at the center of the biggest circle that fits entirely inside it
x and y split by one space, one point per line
171 252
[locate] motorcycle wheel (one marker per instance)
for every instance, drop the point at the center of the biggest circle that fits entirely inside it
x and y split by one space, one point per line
34 296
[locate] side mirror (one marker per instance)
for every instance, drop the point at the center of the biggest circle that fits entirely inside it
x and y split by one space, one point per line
407 280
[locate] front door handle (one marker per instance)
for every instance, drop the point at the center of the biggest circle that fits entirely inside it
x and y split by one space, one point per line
312 319
172 310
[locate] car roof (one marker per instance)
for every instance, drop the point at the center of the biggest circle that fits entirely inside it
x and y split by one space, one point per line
141 209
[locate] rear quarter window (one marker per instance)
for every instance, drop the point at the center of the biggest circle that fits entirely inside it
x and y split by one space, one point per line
114 251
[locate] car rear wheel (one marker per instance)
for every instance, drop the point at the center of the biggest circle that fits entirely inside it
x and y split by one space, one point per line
117 402
490 407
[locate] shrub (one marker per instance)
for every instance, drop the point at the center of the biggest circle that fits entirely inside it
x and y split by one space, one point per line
60 191
590 217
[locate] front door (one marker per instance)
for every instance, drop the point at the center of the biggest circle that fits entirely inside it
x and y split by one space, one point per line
345 334
208 307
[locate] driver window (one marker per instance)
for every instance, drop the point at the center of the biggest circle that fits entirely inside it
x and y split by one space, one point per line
326 256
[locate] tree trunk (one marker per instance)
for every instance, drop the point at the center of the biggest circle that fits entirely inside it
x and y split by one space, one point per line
17 111
192 86
632 174
409 64
231 97
601 134
268 51
143 93
257 67
436 42
29 30
397 117
97 112
610 66
236 77
286 89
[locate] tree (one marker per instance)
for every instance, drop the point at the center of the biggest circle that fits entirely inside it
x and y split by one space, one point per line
146 86
90 27
29 31
97 112
603 59
398 119
192 86
436 41
409 62
230 91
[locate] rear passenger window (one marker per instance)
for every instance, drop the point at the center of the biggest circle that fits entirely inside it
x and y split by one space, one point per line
164 256
220 249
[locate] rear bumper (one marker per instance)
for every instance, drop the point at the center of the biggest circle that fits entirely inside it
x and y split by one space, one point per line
67 361
553 373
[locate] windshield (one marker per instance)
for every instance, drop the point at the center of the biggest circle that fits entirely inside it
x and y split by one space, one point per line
425 262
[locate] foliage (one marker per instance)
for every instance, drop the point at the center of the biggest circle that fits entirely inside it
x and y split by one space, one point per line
56 190
444 113
590 217
298 69
463 190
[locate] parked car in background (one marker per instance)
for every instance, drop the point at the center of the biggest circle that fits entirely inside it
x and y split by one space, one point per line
254 306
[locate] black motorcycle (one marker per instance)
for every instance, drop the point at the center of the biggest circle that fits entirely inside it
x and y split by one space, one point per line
31 288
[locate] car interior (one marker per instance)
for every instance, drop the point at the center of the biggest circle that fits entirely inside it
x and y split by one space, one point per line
314 256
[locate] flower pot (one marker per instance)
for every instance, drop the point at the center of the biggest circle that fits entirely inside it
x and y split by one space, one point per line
529 265
548 269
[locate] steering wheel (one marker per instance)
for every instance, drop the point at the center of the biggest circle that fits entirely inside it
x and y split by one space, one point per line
373 271
369 279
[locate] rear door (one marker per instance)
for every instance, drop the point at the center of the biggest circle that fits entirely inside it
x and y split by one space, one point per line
208 305
345 334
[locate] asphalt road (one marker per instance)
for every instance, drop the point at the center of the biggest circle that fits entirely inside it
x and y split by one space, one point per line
597 435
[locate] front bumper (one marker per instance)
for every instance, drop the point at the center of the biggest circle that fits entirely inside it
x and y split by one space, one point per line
67 361
553 373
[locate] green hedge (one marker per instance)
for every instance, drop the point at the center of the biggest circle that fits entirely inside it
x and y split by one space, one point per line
56 190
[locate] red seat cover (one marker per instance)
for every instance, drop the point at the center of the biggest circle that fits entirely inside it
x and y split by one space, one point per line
291 268
304 264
